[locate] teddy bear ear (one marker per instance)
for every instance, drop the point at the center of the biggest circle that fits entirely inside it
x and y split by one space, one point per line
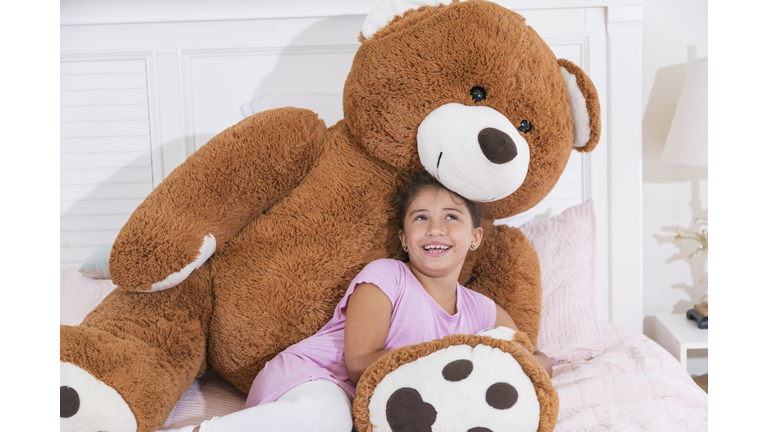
585 106
385 11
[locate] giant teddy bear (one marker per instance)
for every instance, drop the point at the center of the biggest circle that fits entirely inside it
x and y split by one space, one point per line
247 247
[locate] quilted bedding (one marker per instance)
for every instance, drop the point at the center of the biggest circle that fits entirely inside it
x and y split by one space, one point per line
635 385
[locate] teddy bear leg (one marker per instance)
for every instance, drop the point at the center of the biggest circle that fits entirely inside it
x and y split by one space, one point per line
208 199
125 367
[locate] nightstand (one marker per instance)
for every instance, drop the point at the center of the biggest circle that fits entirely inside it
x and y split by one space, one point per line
677 334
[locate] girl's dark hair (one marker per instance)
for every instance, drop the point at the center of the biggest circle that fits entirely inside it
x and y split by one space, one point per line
421 181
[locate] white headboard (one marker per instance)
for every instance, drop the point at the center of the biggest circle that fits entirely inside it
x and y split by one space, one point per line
145 83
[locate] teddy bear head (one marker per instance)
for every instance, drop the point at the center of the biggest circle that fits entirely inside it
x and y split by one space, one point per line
472 93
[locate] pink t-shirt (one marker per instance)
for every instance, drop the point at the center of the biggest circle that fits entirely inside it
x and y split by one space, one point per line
416 318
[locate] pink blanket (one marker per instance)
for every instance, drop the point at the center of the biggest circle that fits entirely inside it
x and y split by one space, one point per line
635 385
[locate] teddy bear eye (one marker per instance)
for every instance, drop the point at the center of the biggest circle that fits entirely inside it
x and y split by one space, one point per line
525 126
477 93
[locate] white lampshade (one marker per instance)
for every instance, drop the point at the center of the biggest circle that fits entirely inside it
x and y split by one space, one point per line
686 144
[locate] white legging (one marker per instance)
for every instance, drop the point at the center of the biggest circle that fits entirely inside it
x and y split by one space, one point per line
320 406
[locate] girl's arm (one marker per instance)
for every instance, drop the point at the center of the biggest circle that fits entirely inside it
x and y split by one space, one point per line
369 312
503 319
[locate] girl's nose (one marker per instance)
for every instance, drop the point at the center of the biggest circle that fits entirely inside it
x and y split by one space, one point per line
435 228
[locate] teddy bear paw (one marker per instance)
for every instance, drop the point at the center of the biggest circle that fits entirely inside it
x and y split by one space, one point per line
88 404
459 388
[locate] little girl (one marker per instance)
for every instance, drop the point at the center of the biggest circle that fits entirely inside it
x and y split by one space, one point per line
390 303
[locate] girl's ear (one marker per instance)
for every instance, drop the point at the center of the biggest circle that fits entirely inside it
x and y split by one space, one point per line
401 234
477 236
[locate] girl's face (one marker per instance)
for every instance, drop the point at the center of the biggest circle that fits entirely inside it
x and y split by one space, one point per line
438 232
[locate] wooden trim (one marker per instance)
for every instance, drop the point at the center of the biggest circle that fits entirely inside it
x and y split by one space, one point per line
597 167
624 130
93 12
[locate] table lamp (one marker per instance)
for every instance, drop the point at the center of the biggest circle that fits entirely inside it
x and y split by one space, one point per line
686 146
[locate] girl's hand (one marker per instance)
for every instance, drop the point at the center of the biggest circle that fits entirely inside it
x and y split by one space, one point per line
369 312
543 360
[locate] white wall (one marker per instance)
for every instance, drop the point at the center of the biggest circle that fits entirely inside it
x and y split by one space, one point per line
672 197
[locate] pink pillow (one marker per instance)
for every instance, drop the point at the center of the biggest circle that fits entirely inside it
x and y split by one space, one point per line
570 327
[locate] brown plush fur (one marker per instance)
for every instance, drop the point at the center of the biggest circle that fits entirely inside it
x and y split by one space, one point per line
506 269
520 348
297 209
167 229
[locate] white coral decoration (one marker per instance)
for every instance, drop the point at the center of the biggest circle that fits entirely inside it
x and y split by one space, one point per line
702 238
383 13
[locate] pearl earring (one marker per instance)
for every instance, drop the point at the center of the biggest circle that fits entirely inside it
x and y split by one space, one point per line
474 246
405 248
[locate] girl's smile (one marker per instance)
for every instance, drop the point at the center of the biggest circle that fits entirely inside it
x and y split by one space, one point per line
436 249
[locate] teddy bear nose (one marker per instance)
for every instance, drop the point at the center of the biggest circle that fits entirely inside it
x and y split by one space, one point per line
496 145
69 402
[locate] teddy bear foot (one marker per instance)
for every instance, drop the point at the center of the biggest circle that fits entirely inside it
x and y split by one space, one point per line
457 388
459 383
88 404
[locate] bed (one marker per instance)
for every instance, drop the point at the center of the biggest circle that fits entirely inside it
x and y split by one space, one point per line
194 69
608 378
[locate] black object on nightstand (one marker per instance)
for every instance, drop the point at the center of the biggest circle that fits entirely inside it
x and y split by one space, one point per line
701 320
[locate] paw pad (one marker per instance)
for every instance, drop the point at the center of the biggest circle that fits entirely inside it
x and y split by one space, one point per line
407 412
501 396
457 370
69 402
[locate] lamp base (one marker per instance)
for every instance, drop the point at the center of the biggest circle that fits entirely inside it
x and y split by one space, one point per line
702 309
701 321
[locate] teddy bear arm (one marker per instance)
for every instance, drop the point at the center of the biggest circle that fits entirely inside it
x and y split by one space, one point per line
507 270
209 198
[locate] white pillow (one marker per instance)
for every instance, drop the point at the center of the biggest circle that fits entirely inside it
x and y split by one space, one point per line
328 108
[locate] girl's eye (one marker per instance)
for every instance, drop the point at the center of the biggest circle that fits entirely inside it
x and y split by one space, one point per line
421 217
452 217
